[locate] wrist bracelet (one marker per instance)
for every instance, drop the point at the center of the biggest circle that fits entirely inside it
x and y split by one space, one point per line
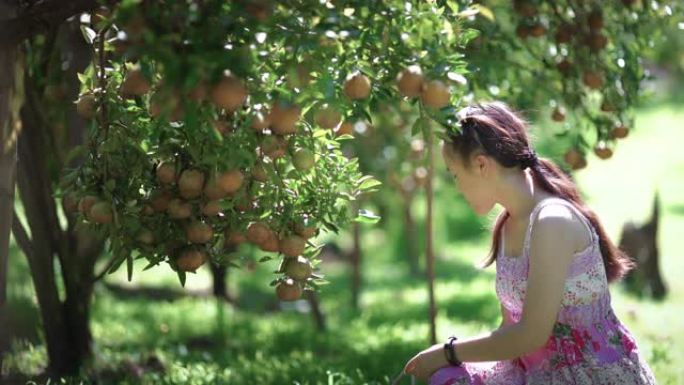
450 352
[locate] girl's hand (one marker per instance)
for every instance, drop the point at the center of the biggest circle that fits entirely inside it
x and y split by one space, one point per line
425 363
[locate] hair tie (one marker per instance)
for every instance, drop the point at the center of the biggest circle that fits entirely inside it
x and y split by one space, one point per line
530 160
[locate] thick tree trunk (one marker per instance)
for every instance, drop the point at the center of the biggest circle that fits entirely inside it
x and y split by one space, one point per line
11 96
66 324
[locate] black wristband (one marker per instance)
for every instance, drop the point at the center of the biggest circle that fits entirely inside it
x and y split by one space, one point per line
450 352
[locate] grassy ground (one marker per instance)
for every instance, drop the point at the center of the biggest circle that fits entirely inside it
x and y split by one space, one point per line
199 341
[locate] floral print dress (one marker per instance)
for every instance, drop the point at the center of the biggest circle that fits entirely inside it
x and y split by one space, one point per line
588 345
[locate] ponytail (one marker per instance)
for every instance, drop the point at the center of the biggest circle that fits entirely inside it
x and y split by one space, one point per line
553 180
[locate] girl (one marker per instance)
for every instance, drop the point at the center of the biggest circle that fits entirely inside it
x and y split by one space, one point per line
553 260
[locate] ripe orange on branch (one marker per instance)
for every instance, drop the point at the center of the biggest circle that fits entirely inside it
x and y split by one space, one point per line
435 94
229 93
357 86
288 290
410 81
190 260
284 117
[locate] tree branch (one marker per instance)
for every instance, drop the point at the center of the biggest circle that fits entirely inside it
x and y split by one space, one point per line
40 17
21 236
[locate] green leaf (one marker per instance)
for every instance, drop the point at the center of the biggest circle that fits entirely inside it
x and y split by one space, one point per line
181 277
88 34
366 216
129 266
369 183
484 11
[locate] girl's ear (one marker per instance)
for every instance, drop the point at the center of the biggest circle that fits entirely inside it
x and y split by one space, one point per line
480 164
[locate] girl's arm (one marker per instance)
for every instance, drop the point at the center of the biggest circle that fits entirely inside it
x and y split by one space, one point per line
553 241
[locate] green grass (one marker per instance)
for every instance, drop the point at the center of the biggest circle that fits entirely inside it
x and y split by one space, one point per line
202 342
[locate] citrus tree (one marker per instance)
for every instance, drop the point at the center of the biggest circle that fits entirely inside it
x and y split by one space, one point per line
213 124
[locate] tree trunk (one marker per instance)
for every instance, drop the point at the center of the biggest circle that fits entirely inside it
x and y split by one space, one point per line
317 313
218 274
429 253
11 96
410 236
66 324
355 260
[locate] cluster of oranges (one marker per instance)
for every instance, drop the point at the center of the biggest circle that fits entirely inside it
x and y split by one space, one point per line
580 31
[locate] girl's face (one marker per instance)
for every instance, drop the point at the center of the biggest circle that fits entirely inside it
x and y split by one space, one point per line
474 181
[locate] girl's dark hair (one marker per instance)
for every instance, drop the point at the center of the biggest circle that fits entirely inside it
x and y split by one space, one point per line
496 130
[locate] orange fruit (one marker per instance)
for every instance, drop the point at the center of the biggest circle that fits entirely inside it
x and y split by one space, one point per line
298 268
564 34
160 200
86 203
288 290
305 228
435 94
135 84
147 210
357 86
271 242
603 152
257 232
537 30
190 260
69 203
327 117
166 173
274 146
596 42
592 79
303 159
258 172
213 190
619 132
575 159
179 209
260 121
558 115
190 183
101 212
284 117
199 232
233 237
229 93
292 245
230 181
211 208
564 66
410 81
345 128
85 106
145 237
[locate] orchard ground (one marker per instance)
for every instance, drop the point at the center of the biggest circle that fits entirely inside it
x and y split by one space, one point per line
200 342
